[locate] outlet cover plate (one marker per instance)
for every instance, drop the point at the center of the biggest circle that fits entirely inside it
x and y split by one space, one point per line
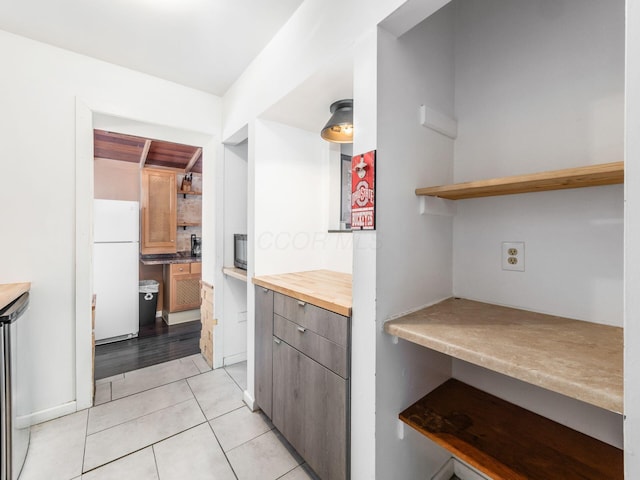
513 256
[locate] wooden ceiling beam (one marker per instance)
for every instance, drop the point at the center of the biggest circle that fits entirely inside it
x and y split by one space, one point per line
145 153
193 160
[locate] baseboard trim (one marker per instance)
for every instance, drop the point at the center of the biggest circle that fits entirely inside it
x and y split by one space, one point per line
181 317
237 358
466 472
51 413
445 472
249 401
461 470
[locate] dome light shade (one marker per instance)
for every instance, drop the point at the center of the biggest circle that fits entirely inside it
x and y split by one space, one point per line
339 128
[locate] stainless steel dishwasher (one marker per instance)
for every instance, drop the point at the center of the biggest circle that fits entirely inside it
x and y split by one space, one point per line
14 398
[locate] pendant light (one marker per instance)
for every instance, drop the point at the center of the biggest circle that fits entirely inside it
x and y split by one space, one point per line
339 128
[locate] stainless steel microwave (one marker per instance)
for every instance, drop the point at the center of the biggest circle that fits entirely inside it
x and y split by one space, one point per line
240 250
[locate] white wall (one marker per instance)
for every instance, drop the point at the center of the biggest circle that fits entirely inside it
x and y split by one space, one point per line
509 93
292 203
632 240
38 125
310 38
540 86
414 260
363 316
234 316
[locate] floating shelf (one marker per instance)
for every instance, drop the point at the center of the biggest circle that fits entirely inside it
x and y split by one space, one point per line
184 193
184 225
581 360
235 272
507 442
580 177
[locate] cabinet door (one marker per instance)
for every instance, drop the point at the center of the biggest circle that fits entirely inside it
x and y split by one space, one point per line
288 394
185 292
264 342
310 410
159 196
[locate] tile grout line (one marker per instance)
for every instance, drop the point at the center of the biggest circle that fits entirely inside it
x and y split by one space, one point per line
233 470
252 439
212 431
141 416
155 459
146 446
129 396
84 449
157 386
233 378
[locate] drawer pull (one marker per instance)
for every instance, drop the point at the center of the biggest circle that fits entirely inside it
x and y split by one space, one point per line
302 329
265 290
276 340
302 304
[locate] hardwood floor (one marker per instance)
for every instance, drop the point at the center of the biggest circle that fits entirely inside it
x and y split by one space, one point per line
155 344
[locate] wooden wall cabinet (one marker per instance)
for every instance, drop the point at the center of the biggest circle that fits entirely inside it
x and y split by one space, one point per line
158 222
182 286
302 378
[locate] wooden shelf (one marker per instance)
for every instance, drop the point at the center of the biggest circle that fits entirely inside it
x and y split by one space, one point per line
507 442
235 273
184 193
581 360
189 224
580 177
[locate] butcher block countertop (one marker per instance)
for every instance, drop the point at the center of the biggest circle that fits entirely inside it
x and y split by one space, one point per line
323 288
10 291
581 360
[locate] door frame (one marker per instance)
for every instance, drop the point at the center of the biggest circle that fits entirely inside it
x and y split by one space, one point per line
87 115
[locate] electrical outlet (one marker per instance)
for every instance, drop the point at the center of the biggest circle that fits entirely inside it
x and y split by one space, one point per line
513 256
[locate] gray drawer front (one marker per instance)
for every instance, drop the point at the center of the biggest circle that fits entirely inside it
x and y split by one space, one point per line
318 348
328 324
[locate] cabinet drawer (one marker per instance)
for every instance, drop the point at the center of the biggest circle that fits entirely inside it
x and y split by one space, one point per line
185 268
318 348
329 325
179 269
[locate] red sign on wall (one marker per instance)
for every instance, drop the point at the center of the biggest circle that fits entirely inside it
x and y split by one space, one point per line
363 191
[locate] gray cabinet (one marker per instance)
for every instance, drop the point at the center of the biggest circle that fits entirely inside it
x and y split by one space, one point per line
309 374
263 345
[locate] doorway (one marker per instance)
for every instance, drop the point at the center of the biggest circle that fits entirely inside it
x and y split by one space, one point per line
135 328
89 118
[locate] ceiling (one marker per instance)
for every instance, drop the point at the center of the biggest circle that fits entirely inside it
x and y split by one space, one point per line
307 106
146 152
204 44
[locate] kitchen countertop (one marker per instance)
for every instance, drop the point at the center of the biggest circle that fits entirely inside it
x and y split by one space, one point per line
581 360
10 291
168 258
323 288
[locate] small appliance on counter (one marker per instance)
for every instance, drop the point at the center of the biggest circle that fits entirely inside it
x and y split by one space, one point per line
196 245
240 250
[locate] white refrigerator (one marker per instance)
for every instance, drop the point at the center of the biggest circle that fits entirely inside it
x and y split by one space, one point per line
115 269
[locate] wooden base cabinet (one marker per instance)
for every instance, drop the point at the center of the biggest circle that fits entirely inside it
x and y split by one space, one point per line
182 287
302 379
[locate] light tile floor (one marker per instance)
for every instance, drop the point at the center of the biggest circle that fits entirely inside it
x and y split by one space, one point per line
173 421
